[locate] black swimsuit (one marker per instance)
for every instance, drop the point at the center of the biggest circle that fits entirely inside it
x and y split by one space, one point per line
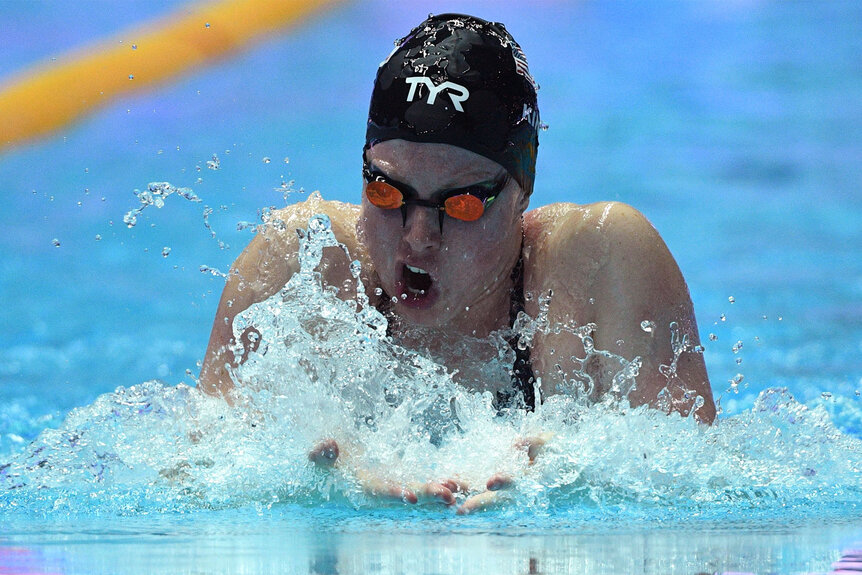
522 371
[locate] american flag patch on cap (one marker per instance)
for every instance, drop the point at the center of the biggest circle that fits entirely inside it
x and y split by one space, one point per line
521 65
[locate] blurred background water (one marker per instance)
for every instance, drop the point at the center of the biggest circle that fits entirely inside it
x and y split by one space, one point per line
736 127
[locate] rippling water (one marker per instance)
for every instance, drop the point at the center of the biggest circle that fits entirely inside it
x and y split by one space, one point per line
734 126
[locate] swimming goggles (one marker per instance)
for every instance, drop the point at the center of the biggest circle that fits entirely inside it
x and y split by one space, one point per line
466 204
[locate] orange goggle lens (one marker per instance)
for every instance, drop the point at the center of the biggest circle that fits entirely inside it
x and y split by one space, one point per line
383 195
466 207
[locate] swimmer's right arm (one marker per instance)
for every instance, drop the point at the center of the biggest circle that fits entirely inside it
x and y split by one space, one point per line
262 269
255 275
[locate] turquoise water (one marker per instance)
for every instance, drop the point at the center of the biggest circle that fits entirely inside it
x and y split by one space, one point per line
735 127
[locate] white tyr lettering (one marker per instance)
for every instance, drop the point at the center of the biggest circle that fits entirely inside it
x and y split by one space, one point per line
457 93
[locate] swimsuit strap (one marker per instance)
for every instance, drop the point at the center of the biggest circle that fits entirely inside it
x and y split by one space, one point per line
522 371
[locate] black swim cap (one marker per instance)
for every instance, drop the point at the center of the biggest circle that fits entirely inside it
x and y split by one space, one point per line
460 80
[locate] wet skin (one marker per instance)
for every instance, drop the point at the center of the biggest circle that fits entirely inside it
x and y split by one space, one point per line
469 264
604 264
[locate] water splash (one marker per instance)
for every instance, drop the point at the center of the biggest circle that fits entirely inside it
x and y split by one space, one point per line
324 367
155 195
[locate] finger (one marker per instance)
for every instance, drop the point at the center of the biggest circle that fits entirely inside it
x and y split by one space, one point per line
477 502
405 495
439 491
388 489
325 453
533 451
455 485
533 445
499 481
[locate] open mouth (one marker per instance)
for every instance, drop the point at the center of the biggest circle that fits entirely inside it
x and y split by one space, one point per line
416 288
417 282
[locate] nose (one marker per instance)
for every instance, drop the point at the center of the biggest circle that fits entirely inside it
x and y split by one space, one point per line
422 227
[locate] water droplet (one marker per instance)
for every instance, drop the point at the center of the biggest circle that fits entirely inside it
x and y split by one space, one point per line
764 316
543 127
620 342
214 163
466 308
738 361
737 346
826 395
592 301
98 237
131 76
404 296
134 46
722 317
207 25
698 349
731 299
267 159
55 242
286 160
713 337
647 326
394 299
378 291
166 251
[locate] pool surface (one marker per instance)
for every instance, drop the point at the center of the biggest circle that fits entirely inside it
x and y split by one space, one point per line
736 127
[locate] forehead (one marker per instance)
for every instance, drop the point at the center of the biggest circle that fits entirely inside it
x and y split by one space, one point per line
442 164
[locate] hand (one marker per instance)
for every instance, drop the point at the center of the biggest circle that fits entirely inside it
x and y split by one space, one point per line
442 491
500 481
326 452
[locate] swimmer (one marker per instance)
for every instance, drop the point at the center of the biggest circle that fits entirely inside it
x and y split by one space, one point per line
449 249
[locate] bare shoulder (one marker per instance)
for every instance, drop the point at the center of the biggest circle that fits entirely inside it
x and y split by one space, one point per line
342 215
271 257
585 245
608 266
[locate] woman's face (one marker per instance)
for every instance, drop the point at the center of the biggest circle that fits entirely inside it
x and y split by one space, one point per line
460 277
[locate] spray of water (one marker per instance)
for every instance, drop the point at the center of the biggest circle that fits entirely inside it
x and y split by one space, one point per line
325 368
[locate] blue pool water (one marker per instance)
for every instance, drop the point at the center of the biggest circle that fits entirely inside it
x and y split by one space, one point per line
736 127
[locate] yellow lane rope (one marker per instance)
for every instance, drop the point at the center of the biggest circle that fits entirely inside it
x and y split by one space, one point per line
49 96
